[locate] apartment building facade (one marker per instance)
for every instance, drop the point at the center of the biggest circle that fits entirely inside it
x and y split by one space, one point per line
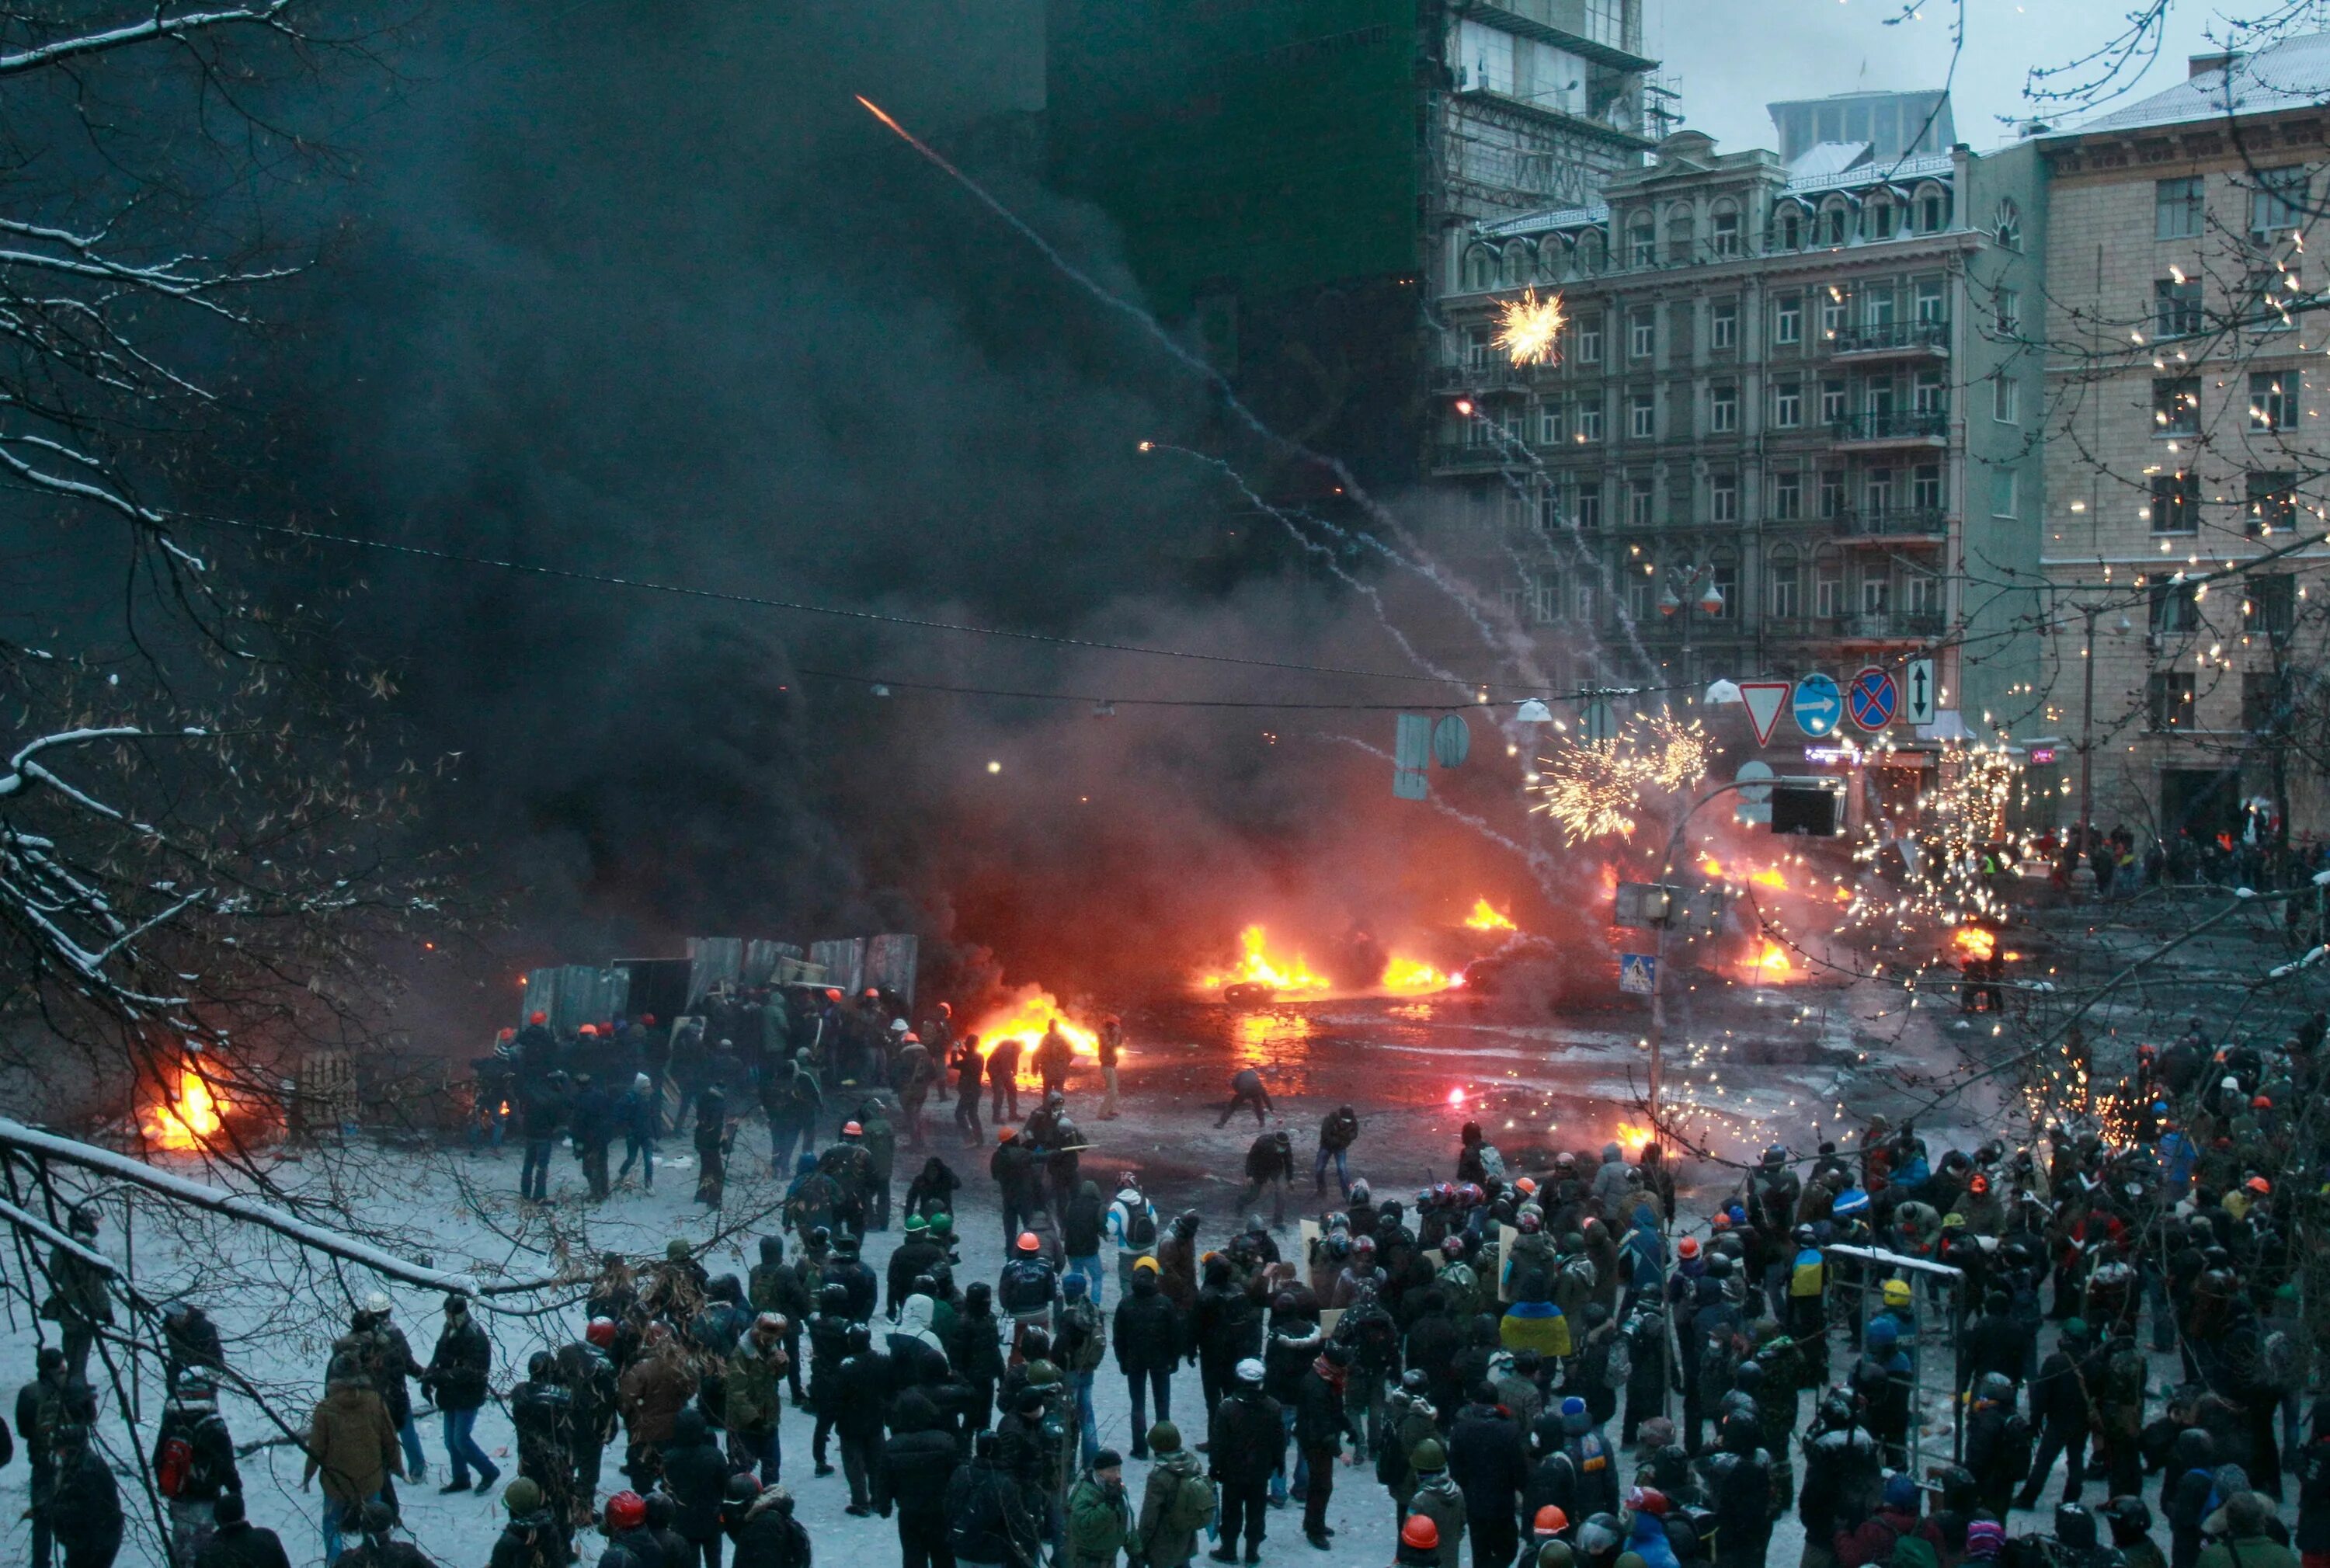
1807 387
2185 451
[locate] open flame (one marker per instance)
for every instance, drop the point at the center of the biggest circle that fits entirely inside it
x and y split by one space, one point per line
1026 1014
1411 976
1485 917
1771 876
190 1118
1633 1135
1771 962
1257 966
1975 942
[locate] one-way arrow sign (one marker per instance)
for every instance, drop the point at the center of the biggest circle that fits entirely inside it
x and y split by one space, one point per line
1920 682
1765 699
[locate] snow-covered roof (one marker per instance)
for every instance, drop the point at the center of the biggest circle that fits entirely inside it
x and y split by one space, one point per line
2293 73
1827 159
1559 217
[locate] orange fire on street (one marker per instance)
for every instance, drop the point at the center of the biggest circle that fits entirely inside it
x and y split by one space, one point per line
1025 1013
1975 942
1485 917
1634 1135
1771 876
1257 966
1411 976
1771 962
190 1118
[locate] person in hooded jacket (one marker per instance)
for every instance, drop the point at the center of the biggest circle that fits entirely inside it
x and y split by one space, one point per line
2185 1493
919 1461
1488 1460
534 1536
695 1473
1320 1421
864 1387
1998 1442
676 1551
1147 1335
988 1524
194 1465
975 1348
1176 1503
754 1390
1292 1344
918 1254
542 1412
240 1544
1437 1498
766 1533
1740 1476
1225 1328
1246 1450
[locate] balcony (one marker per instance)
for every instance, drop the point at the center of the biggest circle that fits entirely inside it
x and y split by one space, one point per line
1477 456
1893 340
1495 372
1892 626
1894 526
1898 428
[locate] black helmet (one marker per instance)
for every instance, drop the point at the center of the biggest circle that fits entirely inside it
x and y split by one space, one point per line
1776 1154
833 1297
1740 1430
539 1365
1805 1236
1719 1266
1748 1377
820 1238
2129 1514
2075 1527
1996 1388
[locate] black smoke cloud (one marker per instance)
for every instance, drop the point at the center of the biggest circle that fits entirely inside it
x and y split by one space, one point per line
642 292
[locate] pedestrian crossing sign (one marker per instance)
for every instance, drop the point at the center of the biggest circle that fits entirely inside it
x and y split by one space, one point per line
1638 973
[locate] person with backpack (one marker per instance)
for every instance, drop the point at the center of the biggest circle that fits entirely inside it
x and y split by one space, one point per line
1100 1518
193 1467
1438 1499
1131 1225
919 1462
1177 1502
534 1537
988 1524
1998 1443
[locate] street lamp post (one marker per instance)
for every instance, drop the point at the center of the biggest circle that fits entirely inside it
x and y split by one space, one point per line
1689 587
1657 1037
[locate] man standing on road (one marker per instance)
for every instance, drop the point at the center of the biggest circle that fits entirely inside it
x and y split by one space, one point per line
1336 1136
1270 1163
1247 1447
1003 1076
1111 1048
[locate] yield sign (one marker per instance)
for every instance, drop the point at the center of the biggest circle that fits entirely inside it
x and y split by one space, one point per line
1765 699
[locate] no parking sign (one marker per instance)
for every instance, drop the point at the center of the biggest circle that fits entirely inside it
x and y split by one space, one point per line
1873 698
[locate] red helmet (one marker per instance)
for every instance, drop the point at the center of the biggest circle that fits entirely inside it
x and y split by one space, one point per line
1646 1501
588 1029
600 1332
626 1510
1688 1247
507 1034
946 1010
1550 1521
647 1020
1981 1184
851 1129
870 991
832 996
537 1018
2257 1183
1028 1243
1420 1532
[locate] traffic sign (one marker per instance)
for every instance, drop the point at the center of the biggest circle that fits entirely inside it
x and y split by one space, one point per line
1755 798
1411 753
1818 708
1601 722
1452 740
1765 699
1873 698
1638 973
1921 692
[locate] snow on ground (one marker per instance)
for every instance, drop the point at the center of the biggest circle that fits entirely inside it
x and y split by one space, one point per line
463 1210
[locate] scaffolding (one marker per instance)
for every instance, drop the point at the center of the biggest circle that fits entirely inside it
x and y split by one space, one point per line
1937 1434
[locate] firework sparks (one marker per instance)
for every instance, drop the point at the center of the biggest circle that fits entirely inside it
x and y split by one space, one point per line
1674 755
1528 327
1589 790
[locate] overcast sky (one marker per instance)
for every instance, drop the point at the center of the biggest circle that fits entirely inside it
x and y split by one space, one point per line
1729 58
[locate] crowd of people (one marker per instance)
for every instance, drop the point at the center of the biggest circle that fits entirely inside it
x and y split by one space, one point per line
1548 1369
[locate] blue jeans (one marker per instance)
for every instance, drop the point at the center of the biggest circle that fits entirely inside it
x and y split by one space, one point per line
1087 1425
1090 1268
1302 1467
1342 1157
638 1148
749 1451
463 1452
410 1436
334 1519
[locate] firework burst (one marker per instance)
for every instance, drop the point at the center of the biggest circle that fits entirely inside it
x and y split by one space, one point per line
1528 328
1595 788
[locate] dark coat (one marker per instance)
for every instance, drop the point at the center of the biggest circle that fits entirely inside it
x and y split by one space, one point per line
695 1473
1489 1463
1147 1329
917 1463
247 1545
459 1367
1248 1438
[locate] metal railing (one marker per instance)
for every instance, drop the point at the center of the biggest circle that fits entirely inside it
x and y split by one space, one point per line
1900 425
1893 523
1894 624
1891 336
